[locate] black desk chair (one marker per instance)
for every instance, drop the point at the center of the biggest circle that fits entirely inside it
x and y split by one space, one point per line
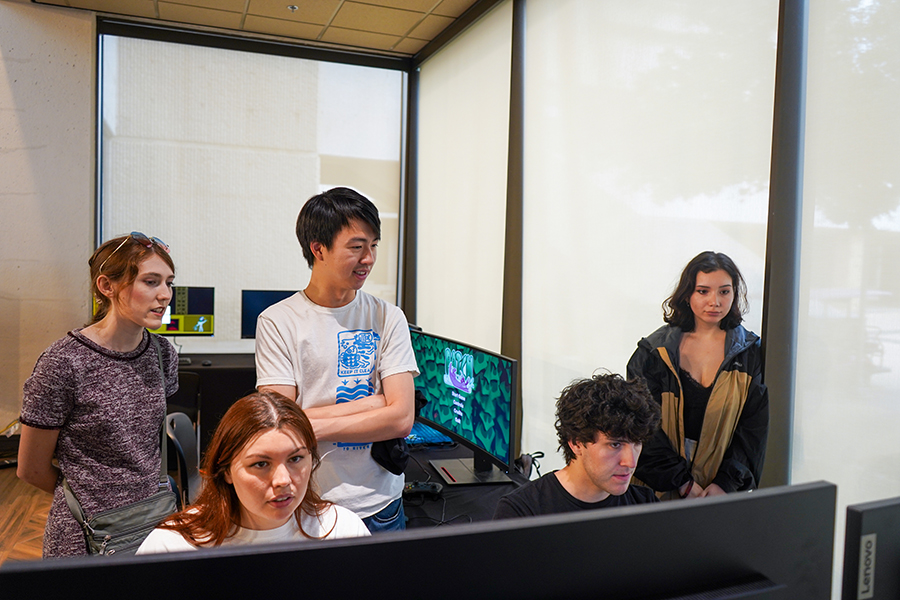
183 438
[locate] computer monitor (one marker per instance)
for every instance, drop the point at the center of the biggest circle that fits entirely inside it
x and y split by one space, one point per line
190 312
774 544
872 551
471 397
253 302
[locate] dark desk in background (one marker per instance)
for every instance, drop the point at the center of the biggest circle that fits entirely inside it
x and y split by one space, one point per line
458 503
226 378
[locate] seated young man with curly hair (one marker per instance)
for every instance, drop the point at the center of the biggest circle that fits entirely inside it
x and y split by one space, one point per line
602 424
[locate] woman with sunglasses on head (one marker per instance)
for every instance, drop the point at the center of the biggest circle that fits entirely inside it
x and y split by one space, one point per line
96 399
705 369
258 485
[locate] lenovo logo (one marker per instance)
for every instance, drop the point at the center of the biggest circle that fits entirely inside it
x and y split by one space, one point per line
866 586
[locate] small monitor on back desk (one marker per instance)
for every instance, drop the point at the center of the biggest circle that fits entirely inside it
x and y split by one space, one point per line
253 302
190 312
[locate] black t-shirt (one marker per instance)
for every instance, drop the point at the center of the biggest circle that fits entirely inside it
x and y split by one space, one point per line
546 496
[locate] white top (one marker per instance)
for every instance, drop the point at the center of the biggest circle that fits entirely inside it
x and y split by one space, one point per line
338 355
348 525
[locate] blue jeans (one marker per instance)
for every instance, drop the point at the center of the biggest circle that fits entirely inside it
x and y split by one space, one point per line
389 518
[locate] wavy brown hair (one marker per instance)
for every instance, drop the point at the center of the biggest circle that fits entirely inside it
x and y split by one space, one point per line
121 259
677 307
216 514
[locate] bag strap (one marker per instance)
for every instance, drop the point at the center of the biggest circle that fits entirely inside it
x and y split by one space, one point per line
163 446
72 501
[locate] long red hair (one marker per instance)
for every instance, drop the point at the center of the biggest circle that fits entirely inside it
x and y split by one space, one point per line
216 514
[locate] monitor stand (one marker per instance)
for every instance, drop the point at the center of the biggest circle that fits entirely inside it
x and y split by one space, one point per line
458 471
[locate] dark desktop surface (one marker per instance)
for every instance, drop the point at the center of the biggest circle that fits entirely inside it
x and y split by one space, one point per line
457 504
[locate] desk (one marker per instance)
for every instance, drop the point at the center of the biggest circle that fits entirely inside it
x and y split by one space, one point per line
459 503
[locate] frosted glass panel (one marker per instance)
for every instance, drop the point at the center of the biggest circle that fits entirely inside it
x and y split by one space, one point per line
848 368
215 151
463 130
648 138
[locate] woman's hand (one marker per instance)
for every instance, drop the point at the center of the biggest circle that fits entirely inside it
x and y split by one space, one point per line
713 490
691 489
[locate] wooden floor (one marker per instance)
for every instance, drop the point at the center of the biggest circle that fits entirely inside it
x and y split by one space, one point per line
23 514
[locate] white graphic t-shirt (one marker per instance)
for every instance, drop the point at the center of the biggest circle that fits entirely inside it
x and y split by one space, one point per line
338 355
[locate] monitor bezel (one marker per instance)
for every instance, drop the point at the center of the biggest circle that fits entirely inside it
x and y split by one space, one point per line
481 456
870 572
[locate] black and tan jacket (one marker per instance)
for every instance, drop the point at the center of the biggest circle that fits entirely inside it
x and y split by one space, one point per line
732 444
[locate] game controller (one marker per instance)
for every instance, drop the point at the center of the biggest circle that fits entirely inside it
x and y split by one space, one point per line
415 489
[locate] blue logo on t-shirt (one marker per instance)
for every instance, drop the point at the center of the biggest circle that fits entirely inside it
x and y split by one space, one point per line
356 352
356 362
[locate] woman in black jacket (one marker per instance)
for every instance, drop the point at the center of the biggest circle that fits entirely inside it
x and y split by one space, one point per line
705 369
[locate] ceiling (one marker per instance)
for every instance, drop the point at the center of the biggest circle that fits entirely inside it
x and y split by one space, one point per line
400 27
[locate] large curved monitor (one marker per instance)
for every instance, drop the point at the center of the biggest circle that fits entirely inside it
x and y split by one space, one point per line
471 397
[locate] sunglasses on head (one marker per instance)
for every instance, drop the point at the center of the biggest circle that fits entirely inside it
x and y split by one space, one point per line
141 239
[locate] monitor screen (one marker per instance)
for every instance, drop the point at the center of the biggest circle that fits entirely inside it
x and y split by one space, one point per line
254 302
190 312
471 397
872 550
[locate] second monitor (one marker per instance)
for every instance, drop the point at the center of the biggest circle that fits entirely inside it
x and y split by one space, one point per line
471 397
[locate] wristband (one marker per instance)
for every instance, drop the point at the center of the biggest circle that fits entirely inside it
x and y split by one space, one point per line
688 491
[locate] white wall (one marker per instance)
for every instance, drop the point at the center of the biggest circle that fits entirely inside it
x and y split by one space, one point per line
46 184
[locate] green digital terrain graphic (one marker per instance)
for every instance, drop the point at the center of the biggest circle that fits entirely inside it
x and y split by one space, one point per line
468 391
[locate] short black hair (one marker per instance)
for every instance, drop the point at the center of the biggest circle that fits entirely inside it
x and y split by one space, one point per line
622 410
326 214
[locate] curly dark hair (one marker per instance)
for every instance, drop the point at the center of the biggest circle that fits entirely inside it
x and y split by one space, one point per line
326 214
677 307
622 410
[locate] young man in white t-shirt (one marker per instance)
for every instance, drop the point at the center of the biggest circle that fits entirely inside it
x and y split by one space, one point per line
344 356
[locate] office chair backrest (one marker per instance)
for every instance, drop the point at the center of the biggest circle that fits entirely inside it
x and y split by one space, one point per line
181 431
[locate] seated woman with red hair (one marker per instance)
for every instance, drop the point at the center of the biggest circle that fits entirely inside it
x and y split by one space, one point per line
258 486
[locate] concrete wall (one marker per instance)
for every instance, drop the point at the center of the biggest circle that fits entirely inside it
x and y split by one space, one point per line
46 184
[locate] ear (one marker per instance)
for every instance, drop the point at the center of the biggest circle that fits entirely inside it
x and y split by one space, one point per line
228 478
318 250
577 448
105 286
